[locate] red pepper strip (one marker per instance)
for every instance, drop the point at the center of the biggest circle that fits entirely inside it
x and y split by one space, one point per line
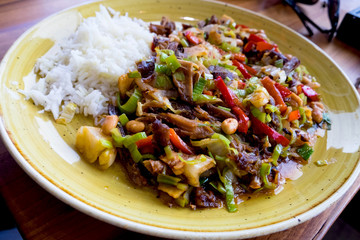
262 46
191 38
299 89
239 57
250 69
274 92
249 46
265 129
241 85
144 142
294 115
231 102
227 95
242 69
255 38
243 119
310 93
179 143
241 25
284 91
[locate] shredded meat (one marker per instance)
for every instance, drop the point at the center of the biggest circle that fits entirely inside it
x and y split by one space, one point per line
168 25
222 72
165 28
219 113
185 87
154 167
132 168
247 161
206 199
161 135
291 65
187 126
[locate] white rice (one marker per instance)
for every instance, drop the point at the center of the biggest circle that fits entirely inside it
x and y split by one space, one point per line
85 67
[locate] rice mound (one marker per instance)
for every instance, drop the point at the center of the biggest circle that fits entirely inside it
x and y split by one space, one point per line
86 66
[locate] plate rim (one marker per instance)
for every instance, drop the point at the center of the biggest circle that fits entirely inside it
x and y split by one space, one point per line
154 230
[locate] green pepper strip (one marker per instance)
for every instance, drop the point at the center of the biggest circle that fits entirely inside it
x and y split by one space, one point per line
184 43
264 172
222 138
134 152
134 74
230 199
134 138
203 98
130 106
302 116
117 137
163 81
258 114
275 156
123 119
305 151
162 178
229 48
218 187
272 108
162 68
199 86
172 63
106 143
184 199
279 63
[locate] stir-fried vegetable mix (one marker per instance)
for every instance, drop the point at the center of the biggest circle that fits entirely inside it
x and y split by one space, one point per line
211 117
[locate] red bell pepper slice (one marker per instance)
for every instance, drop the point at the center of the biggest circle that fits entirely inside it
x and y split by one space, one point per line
242 69
232 103
144 142
191 38
179 143
294 115
249 45
310 93
262 46
243 119
265 129
255 38
239 57
250 69
227 96
284 91
241 25
241 85
274 92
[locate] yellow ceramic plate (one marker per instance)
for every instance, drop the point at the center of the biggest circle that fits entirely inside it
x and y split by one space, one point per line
45 150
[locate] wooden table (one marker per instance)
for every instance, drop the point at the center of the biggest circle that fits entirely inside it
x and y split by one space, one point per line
39 215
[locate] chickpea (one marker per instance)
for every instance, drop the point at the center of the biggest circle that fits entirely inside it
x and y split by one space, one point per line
134 126
109 123
229 125
318 110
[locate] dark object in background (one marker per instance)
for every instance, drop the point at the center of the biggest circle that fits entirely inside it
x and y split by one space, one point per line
349 30
333 13
6 219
